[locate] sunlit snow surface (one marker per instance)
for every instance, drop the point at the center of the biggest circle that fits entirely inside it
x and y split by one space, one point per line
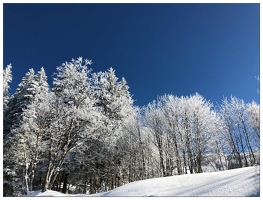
236 182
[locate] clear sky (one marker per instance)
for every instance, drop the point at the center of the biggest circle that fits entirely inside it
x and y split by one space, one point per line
178 49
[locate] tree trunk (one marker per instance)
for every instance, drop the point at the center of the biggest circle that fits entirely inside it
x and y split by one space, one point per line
235 150
159 140
46 180
47 176
190 156
142 155
251 153
65 182
199 153
199 162
60 164
177 156
33 163
185 165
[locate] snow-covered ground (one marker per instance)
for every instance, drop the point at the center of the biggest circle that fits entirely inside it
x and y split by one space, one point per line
236 182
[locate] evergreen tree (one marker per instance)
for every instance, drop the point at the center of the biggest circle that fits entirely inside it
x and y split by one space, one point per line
19 101
112 98
21 134
25 135
7 78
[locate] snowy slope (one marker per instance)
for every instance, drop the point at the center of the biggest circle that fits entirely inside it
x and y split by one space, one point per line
236 182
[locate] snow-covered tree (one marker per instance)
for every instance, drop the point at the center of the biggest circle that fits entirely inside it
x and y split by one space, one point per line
34 124
22 97
204 125
238 118
7 78
29 121
184 131
113 98
154 121
172 121
253 121
114 104
136 144
74 116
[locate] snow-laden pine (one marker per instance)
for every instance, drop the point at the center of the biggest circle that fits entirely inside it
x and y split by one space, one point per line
7 78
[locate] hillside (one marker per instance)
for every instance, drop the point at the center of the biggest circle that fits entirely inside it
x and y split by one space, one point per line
235 182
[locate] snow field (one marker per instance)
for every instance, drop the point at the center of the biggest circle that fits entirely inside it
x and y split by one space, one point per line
236 183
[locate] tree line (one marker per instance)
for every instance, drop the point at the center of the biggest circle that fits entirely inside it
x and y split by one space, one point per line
85 135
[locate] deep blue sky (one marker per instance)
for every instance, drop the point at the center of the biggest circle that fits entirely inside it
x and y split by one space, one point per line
179 49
